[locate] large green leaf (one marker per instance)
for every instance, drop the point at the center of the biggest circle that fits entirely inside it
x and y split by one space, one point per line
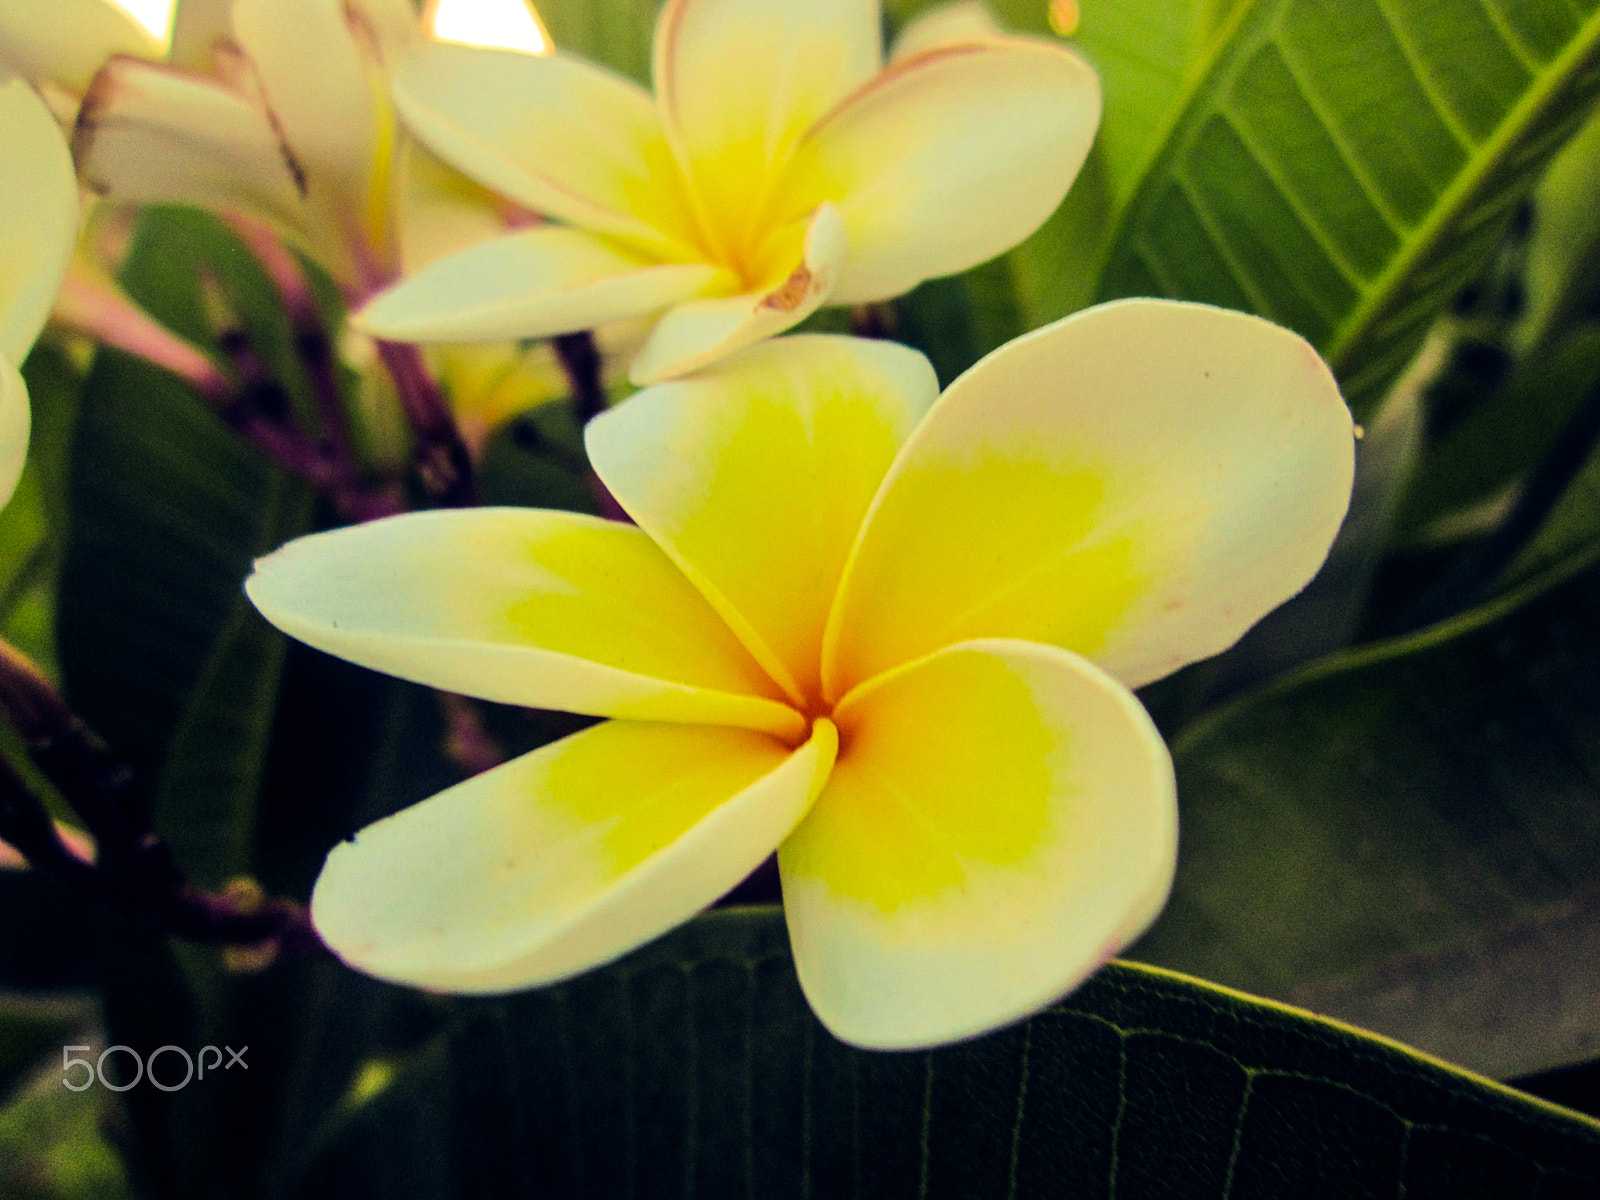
694 1069
1408 836
168 507
1341 169
616 33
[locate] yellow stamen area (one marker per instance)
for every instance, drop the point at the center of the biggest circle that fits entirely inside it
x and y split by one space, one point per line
919 798
642 801
568 613
994 546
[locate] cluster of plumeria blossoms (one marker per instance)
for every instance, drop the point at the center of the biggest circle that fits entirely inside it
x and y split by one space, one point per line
780 165
889 636
39 200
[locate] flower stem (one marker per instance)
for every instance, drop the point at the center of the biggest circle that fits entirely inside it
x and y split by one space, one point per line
258 409
443 461
134 869
580 359
98 309
312 344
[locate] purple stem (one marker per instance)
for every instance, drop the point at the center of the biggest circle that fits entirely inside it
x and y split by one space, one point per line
135 871
443 461
580 359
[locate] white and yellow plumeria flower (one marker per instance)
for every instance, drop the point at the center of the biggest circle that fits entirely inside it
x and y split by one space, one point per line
779 165
892 641
287 119
38 225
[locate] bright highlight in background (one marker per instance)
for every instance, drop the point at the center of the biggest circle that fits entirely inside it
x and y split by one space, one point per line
507 24
154 15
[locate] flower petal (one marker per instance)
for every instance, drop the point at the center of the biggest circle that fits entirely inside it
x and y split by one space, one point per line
15 418
944 25
916 159
1139 483
531 283
565 858
65 42
556 134
1001 820
197 27
317 65
523 606
701 331
755 474
149 134
39 197
739 83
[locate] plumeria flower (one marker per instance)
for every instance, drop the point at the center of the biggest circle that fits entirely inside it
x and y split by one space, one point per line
895 642
286 119
278 109
779 165
39 199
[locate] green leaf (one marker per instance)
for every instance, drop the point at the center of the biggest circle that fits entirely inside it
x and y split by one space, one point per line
1342 169
55 1145
956 320
1564 247
210 781
33 1030
694 1068
1505 434
1571 530
616 33
169 507
1408 837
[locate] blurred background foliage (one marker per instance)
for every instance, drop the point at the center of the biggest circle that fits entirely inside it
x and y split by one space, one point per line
1390 790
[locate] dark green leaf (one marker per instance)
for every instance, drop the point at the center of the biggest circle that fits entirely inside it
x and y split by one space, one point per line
1563 259
1344 169
616 33
56 1144
694 1069
1408 836
955 321
1505 434
33 1030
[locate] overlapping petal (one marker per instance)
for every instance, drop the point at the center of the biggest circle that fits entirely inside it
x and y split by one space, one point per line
755 476
326 96
918 160
701 331
150 134
565 858
531 283
523 606
1001 819
64 42
1139 483
197 28
775 150
557 135
739 82
39 200
943 25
